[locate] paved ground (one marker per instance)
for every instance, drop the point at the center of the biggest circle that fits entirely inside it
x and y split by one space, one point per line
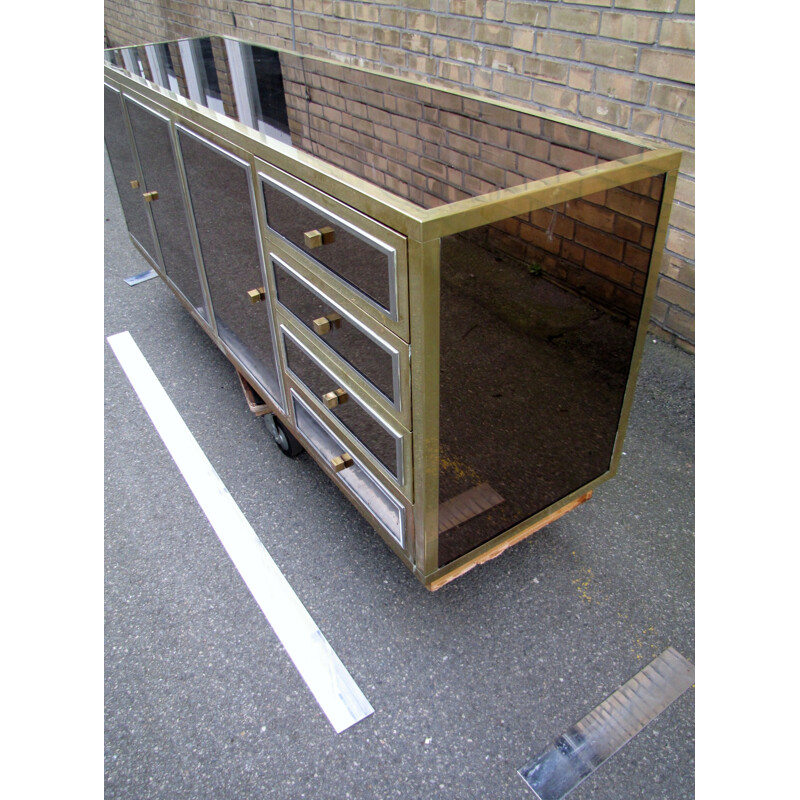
468 683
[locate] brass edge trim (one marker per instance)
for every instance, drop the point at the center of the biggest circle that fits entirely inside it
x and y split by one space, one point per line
653 274
466 214
424 293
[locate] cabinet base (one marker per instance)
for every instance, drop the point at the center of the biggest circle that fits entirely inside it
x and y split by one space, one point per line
494 550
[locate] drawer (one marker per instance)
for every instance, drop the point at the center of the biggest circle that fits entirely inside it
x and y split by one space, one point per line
367 258
381 360
386 509
388 445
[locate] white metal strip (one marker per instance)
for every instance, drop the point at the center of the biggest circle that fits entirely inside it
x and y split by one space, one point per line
333 687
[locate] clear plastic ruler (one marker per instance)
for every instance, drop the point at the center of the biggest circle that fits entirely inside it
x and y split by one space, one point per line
581 749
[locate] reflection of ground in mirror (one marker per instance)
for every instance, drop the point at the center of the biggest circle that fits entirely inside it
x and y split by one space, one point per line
532 383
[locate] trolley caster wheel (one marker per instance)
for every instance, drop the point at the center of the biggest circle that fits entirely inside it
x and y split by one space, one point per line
282 437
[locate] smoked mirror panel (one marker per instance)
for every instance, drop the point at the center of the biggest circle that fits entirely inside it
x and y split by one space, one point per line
541 312
126 172
154 146
221 199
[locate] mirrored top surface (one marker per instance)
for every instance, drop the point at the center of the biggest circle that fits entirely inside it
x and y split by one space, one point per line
427 145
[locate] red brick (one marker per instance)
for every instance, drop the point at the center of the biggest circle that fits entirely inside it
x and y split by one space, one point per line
633 205
636 257
570 159
627 228
599 241
593 215
609 268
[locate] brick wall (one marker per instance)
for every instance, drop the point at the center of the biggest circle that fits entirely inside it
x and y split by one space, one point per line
623 64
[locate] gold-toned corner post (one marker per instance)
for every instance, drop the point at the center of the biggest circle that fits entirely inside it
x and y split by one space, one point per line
423 264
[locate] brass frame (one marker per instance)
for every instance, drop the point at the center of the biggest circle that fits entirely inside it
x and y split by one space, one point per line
419 303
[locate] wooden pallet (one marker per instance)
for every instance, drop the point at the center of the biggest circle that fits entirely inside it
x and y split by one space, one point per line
254 401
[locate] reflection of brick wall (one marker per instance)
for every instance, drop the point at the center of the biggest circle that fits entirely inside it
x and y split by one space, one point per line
627 65
224 76
145 62
598 245
177 65
433 147
429 146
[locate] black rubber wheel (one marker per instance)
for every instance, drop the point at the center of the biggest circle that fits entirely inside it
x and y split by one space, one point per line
282 437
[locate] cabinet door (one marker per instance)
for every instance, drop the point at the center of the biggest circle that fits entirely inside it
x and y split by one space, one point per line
159 167
126 171
221 198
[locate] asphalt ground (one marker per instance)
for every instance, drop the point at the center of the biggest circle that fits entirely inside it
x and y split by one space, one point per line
468 683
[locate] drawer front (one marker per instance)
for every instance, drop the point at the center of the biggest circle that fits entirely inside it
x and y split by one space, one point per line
387 510
373 357
385 445
368 259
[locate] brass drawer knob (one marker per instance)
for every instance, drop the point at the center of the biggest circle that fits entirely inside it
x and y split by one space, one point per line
341 462
318 237
322 325
150 196
335 398
257 295
134 184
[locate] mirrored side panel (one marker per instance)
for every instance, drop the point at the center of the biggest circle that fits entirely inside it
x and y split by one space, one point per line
539 319
221 199
163 191
126 171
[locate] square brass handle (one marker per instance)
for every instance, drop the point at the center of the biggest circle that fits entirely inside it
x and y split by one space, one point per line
335 398
341 462
322 325
257 295
134 184
318 237
150 196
